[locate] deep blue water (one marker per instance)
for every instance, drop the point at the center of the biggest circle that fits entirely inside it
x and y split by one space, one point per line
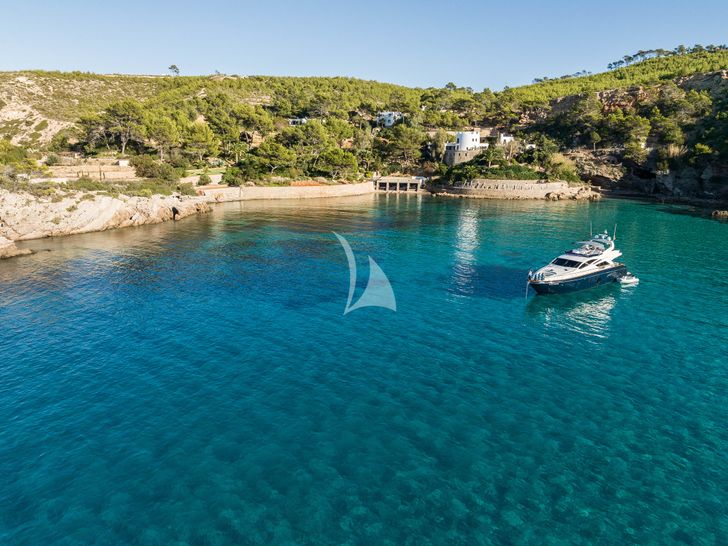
197 383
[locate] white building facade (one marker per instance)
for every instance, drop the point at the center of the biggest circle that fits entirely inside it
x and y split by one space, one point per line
467 145
466 141
388 118
504 139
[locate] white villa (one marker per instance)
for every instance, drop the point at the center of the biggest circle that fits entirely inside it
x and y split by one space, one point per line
388 118
297 121
466 141
504 138
467 145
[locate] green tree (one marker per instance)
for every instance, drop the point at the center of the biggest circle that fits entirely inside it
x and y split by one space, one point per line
200 141
634 150
339 130
237 149
437 143
273 156
543 147
363 147
94 132
335 162
124 121
595 139
307 142
405 143
492 154
163 131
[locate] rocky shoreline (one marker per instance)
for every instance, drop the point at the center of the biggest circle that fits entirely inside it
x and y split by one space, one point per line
25 216
516 190
715 208
8 249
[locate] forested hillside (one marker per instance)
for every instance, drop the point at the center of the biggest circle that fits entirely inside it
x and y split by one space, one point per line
656 113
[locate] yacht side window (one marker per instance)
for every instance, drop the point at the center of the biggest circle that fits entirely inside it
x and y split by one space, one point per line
602 264
586 263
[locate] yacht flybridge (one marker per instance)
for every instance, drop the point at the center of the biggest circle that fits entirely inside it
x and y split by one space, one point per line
592 263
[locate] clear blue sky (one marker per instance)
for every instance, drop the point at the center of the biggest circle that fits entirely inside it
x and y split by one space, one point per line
411 42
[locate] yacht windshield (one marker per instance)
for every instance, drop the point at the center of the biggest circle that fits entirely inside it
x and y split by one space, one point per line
566 263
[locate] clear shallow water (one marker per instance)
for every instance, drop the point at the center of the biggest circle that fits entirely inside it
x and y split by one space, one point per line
197 382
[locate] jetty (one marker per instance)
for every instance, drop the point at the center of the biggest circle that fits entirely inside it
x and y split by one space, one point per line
400 184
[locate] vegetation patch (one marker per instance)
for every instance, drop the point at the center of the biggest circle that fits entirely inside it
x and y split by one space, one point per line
270 130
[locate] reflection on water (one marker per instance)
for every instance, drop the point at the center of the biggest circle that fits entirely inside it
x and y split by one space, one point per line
587 313
464 279
493 281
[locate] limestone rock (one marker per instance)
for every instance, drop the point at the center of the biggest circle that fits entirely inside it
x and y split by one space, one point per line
9 250
25 216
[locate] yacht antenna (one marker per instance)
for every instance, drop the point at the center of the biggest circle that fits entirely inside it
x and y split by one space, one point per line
614 235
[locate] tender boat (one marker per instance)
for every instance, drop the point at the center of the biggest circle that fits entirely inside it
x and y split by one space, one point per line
592 263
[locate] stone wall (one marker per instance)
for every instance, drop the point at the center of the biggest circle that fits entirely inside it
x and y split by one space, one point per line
221 194
454 157
518 189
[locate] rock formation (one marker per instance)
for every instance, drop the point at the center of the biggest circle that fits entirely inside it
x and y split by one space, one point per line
25 216
9 250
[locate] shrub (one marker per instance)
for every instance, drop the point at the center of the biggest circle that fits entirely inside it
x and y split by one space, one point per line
52 159
233 176
179 161
15 157
243 172
86 184
147 167
186 189
477 169
59 142
561 168
204 180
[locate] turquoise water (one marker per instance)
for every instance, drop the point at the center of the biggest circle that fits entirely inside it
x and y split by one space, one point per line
197 382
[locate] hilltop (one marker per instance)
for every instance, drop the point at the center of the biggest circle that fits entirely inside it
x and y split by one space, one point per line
669 66
30 98
58 100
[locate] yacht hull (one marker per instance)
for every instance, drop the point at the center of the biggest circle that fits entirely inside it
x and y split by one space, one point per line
590 280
